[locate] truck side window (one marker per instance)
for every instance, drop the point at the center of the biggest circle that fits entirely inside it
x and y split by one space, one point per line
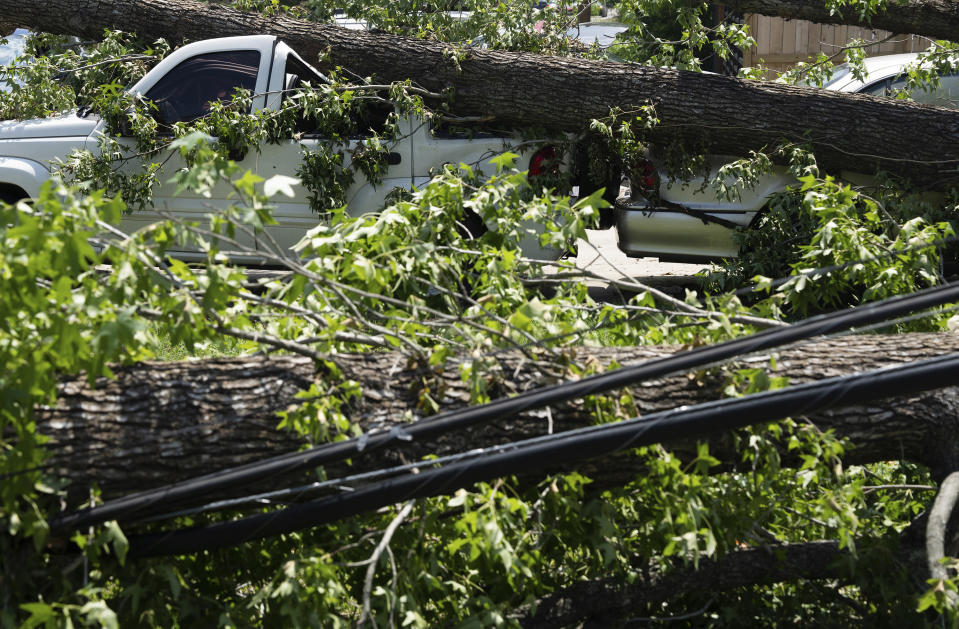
298 73
373 118
370 117
185 93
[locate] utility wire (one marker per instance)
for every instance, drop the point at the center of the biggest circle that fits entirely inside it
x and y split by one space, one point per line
689 423
146 503
344 483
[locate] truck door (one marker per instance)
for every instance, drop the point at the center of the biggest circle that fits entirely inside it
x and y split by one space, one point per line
295 215
184 94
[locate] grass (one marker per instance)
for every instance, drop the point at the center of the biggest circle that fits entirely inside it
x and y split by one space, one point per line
164 348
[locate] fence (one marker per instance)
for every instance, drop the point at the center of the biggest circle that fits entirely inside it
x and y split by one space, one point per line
781 42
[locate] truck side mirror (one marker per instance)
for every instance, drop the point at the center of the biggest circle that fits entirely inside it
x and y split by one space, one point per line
291 82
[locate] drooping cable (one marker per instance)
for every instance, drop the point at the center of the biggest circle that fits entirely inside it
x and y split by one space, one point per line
146 503
301 492
689 423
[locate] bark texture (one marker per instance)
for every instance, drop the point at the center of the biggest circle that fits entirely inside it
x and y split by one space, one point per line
157 423
161 421
935 18
711 113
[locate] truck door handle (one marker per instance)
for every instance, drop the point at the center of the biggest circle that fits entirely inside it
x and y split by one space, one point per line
393 158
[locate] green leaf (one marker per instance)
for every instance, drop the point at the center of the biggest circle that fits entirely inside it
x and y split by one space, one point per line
191 140
247 182
504 161
280 183
40 613
117 539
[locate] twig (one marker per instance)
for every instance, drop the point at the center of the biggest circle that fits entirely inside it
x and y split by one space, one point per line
871 488
466 119
807 517
389 552
374 559
936 528
415 90
633 284
100 63
803 71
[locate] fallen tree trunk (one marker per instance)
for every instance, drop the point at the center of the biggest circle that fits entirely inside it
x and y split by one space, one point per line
162 422
158 422
711 113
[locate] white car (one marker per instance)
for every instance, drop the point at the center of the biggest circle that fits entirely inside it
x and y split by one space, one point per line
687 223
600 34
14 46
184 83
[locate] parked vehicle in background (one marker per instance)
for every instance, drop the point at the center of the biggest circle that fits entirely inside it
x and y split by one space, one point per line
572 8
886 77
599 34
669 220
569 8
685 222
13 48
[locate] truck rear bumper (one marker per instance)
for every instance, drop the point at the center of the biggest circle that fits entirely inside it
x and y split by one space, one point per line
677 234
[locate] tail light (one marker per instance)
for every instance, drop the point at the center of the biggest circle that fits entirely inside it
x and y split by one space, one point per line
544 162
644 176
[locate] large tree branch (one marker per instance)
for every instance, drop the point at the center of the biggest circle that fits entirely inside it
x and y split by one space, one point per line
162 422
607 601
718 114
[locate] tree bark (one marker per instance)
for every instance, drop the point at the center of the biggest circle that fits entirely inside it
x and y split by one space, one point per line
711 113
934 18
158 423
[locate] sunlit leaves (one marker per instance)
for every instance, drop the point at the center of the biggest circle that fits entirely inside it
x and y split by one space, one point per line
413 276
859 247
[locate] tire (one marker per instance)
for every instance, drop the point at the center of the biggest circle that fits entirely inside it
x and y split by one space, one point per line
10 193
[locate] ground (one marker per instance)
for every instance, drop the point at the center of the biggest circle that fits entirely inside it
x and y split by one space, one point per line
601 256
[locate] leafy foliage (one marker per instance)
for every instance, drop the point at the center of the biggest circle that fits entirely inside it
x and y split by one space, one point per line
59 74
839 246
415 277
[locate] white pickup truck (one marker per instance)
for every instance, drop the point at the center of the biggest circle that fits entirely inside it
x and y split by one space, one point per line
182 85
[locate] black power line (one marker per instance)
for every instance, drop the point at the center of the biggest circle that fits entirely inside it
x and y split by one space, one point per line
152 501
603 440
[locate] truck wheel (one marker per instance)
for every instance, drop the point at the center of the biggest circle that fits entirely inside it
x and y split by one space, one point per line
10 193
